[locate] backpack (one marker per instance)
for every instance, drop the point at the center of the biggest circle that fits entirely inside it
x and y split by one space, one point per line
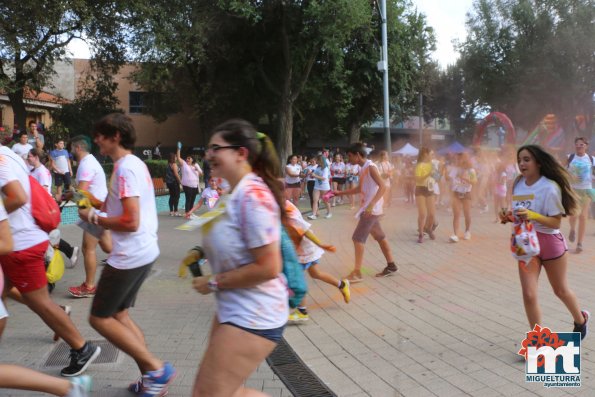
292 270
44 209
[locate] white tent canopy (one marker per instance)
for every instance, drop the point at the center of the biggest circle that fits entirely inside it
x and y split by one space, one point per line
407 150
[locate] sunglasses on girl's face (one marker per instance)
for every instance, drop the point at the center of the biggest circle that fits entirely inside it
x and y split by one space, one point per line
216 148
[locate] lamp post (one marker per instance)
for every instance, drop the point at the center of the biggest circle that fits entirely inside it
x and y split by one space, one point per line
383 67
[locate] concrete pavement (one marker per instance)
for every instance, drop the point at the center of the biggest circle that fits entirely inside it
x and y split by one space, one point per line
448 324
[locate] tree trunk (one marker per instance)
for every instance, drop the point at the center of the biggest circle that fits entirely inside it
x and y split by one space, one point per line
18 107
354 132
285 133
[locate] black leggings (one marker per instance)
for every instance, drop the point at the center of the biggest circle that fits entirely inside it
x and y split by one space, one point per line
174 196
190 194
310 187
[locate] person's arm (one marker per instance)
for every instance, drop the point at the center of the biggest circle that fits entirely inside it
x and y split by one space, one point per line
288 172
53 167
6 243
312 237
179 157
14 196
69 165
198 169
552 222
266 266
127 222
39 142
195 208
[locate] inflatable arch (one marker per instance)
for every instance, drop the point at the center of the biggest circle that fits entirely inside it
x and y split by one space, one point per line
499 119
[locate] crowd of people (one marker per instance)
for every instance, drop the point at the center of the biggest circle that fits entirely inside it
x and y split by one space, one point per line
255 199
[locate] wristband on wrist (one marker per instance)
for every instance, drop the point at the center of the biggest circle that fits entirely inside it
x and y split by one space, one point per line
213 284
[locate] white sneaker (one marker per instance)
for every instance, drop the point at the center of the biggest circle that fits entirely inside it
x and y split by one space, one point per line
74 258
312 217
329 216
453 239
467 235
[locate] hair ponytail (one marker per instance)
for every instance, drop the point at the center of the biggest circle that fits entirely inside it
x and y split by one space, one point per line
262 155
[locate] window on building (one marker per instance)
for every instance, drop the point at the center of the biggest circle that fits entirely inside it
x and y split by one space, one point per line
136 102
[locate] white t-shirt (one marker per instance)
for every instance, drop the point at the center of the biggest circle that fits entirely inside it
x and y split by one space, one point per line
251 220
461 179
369 187
581 169
322 184
25 231
89 170
309 170
352 169
130 250
338 170
543 197
22 150
210 196
190 174
294 169
43 176
307 251
60 158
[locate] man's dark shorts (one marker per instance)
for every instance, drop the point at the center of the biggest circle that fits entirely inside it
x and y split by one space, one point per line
117 289
368 224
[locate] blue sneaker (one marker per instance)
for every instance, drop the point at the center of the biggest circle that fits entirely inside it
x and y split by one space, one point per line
80 386
155 383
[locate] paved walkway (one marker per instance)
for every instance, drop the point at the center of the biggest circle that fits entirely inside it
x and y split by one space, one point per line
449 324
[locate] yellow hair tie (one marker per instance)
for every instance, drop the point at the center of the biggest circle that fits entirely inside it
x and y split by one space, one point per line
260 136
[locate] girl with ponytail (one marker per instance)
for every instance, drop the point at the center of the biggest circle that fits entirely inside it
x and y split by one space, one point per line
243 248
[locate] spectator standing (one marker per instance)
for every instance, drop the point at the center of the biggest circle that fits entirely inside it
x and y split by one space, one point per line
338 175
293 170
191 173
157 151
173 182
322 185
34 137
135 249
61 168
22 147
310 180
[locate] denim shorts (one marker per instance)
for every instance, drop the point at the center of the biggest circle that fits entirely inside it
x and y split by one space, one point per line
273 334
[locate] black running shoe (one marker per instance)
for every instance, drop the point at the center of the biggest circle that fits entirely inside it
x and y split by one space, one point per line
387 271
79 361
582 328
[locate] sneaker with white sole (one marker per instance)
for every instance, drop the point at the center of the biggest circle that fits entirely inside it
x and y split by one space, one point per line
312 217
80 386
156 383
297 316
329 216
74 258
388 271
80 360
345 290
453 239
467 235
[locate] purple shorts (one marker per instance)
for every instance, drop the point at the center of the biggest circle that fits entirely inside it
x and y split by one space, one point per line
552 246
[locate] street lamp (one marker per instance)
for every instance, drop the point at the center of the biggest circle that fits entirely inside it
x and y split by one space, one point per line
383 67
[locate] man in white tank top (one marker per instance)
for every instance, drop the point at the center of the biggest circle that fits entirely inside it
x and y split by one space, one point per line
372 188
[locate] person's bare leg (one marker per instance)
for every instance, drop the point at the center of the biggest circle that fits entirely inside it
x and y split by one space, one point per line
529 275
556 271
21 378
90 258
359 256
386 251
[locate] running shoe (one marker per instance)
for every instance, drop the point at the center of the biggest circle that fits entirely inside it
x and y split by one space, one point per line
82 291
67 309
582 328
354 277
387 271
74 258
137 386
579 248
297 316
80 386
345 291
453 239
312 217
80 360
156 383
467 235
571 236
329 216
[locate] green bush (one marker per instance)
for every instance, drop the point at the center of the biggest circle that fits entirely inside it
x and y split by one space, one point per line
157 168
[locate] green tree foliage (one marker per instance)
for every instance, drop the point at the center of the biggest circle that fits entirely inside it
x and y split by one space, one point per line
528 58
35 34
274 62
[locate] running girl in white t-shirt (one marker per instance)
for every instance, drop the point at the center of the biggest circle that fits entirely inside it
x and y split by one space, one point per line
542 194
